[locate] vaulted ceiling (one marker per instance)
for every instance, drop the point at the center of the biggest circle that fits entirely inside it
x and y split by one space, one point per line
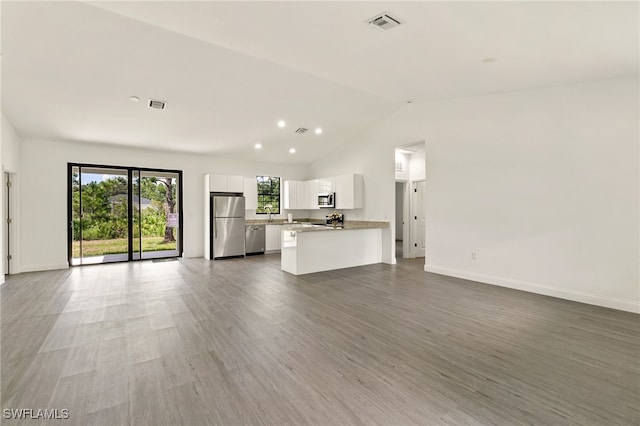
229 71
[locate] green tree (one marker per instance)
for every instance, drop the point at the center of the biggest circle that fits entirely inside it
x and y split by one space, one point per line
102 211
161 190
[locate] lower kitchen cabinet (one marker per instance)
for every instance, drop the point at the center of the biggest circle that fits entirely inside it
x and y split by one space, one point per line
273 237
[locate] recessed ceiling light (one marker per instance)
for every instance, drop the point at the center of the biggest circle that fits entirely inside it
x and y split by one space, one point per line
318 131
292 151
489 60
409 101
134 99
281 123
257 146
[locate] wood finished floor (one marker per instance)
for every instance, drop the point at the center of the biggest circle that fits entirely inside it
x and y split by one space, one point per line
194 342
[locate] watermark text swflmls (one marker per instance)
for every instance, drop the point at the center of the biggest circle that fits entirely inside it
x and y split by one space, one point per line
35 414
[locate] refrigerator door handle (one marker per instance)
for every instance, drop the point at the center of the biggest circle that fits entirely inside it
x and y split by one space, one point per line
215 230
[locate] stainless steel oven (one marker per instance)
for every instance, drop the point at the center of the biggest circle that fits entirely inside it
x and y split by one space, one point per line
327 200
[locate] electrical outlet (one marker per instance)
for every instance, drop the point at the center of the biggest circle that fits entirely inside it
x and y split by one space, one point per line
474 255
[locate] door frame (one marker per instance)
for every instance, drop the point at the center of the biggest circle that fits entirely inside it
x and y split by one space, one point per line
10 240
406 222
129 170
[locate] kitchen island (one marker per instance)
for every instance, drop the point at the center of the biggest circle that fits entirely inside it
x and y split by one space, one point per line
314 248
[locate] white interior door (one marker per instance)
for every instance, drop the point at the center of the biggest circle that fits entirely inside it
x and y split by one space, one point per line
418 218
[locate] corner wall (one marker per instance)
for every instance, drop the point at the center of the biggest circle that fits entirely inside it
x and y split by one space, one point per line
542 184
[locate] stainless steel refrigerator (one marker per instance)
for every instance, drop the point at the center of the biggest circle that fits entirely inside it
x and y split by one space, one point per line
227 225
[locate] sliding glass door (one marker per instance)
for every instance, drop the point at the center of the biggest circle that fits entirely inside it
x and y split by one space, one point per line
122 213
155 201
100 212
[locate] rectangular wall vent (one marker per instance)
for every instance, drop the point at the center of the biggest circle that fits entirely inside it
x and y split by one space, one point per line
153 103
301 130
385 21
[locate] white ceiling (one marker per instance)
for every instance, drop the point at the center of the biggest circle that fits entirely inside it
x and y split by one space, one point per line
230 70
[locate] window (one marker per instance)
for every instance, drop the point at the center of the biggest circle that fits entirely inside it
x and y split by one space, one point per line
268 195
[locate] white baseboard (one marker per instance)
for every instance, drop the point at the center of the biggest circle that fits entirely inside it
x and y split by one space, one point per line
576 296
50 267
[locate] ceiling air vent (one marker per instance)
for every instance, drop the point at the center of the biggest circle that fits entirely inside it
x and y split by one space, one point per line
385 21
301 130
153 103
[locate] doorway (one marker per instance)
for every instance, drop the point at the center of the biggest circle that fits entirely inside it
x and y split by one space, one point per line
410 178
402 214
119 214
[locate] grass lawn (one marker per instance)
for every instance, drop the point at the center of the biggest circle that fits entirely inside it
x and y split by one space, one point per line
119 245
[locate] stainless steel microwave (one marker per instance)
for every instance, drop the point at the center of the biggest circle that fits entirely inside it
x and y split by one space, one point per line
327 200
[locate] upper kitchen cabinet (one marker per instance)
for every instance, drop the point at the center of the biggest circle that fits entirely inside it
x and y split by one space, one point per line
349 191
295 195
303 195
226 183
290 194
312 189
250 194
300 195
326 185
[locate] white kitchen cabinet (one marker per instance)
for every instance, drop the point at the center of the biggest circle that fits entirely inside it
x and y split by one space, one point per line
226 183
235 183
296 195
217 183
273 235
326 185
250 194
301 196
349 191
290 194
311 197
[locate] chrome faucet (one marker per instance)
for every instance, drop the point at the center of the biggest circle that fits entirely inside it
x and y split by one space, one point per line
268 208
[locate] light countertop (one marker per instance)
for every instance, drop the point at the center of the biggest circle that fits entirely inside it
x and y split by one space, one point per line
282 221
348 225
313 225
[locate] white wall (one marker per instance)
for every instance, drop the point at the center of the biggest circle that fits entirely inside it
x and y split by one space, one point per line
417 166
542 184
43 191
404 160
10 151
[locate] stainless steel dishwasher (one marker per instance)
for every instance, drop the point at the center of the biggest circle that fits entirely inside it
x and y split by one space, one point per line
254 239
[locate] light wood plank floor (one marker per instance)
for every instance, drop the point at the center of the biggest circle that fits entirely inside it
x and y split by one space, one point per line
194 342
